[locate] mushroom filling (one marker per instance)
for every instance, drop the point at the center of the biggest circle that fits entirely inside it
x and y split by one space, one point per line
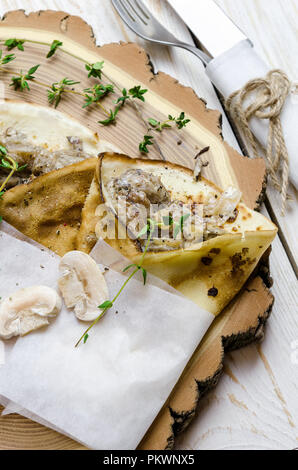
38 160
139 187
140 195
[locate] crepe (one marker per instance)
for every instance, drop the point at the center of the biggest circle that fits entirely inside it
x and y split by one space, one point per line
47 206
41 139
209 272
47 127
49 209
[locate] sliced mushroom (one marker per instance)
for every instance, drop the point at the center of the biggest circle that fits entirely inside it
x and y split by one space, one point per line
28 309
82 285
197 168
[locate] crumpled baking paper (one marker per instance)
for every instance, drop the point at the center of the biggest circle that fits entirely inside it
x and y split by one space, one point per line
107 392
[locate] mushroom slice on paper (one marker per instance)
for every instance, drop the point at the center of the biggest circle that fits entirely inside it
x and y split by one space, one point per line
27 310
82 284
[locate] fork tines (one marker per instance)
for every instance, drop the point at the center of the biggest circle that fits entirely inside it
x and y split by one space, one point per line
133 9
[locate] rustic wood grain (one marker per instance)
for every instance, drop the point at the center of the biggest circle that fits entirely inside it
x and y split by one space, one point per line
127 64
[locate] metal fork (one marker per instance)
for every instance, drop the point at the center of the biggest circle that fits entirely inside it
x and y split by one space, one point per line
138 18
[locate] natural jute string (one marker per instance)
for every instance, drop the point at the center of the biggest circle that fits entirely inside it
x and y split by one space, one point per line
266 98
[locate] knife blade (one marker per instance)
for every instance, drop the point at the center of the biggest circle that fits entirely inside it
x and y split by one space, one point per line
204 18
235 62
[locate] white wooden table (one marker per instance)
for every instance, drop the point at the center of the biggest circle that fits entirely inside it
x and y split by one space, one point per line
255 405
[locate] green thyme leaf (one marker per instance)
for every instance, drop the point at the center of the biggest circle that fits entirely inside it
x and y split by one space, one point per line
68 81
86 337
153 122
143 146
29 74
5 164
164 125
21 168
111 118
144 275
21 81
96 93
57 89
159 126
53 48
54 95
137 92
3 150
7 58
106 304
94 70
128 267
12 43
181 121
122 99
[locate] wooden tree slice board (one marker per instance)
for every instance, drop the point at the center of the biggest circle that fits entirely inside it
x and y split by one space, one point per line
127 65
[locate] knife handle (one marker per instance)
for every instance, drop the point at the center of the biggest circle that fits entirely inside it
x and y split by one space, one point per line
231 71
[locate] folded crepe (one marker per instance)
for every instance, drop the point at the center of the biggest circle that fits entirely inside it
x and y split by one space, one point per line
41 139
49 209
63 210
210 265
47 206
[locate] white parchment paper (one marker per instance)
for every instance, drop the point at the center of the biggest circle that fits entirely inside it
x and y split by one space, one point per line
106 393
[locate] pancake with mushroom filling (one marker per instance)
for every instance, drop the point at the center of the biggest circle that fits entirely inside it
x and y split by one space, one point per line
41 139
206 241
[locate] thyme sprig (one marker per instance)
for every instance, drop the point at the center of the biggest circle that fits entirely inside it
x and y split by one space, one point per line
143 146
58 88
158 126
13 42
105 306
96 93
148 230
20 82
135 92
111 117
6 59
53 48
138 92
95 70
92 95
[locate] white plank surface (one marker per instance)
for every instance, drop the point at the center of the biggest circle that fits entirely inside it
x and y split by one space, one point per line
255 405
